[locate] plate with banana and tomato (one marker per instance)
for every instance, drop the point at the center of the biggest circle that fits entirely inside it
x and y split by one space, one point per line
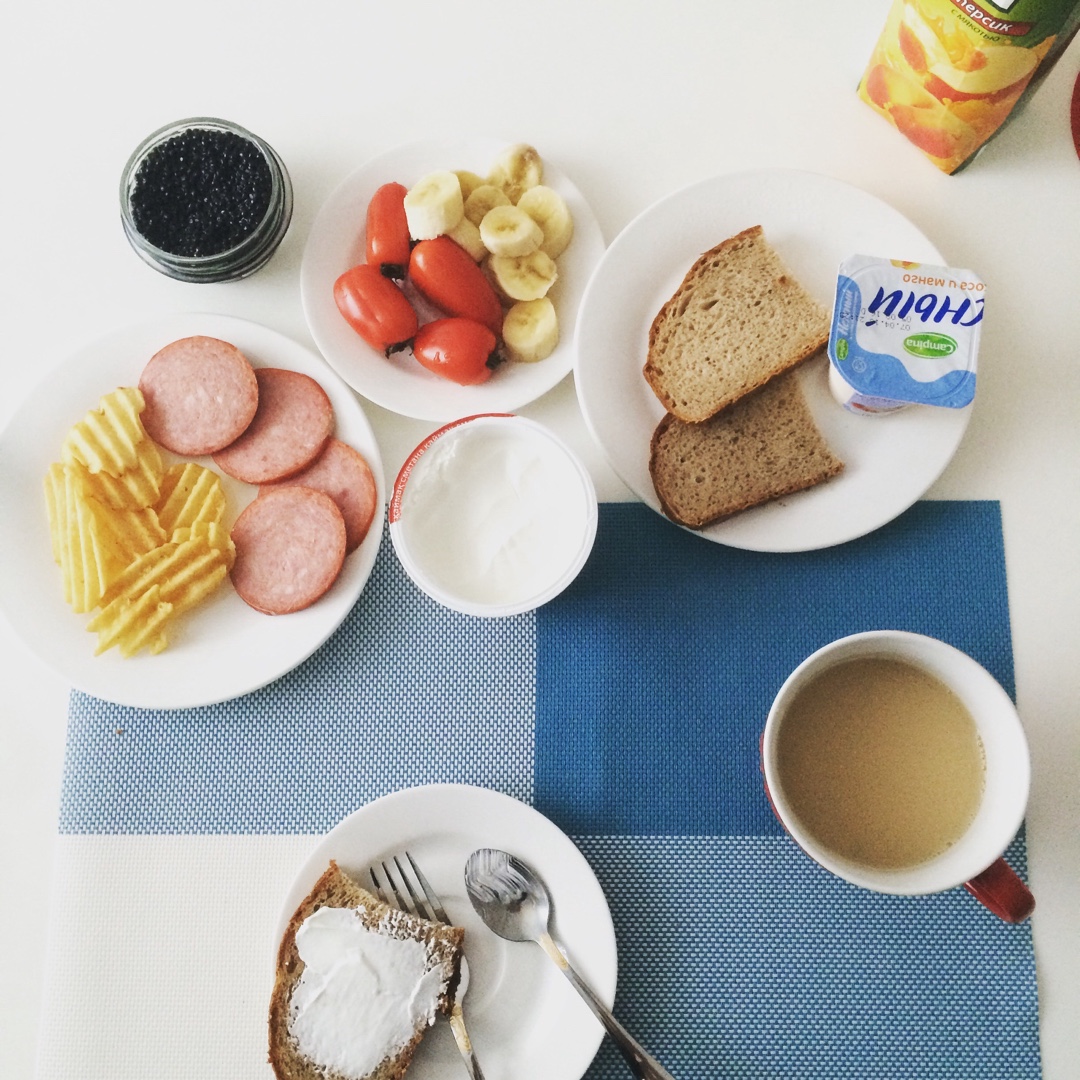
443 277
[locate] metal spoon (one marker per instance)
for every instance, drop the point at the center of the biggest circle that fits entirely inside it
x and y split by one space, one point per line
514 903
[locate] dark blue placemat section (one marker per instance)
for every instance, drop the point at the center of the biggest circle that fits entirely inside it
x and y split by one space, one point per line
656 669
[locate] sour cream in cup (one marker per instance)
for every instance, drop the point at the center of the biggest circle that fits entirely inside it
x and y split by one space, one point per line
493 515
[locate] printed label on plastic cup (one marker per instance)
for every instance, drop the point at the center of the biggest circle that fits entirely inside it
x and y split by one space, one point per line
904 333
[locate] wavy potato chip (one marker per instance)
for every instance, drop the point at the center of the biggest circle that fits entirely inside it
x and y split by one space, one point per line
172 567
135 488
190 493
56 508
179 574
133 623
139 542
106 439
87 562
215 534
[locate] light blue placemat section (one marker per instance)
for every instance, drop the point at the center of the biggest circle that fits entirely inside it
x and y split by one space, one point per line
629 710
404 693
739 958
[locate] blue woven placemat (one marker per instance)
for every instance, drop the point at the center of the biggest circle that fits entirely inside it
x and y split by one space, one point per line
629 710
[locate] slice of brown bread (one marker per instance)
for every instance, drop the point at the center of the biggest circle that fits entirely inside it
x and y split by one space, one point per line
764 446
738 319
336 889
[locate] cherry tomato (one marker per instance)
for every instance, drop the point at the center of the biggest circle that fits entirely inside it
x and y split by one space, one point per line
445 274
461 350
388 243
375 308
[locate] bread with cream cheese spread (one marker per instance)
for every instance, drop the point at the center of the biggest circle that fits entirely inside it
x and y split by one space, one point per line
335 889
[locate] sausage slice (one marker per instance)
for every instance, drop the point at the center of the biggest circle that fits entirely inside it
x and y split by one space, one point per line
344 474
201 394
290 547
290 429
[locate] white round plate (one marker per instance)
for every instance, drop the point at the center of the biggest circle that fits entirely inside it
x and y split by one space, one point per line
400 384
524 1018
221 649
813 222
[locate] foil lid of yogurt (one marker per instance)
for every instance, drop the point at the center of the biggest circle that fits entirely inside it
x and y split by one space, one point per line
904 333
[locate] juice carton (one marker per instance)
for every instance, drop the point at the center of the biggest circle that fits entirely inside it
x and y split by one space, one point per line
948 73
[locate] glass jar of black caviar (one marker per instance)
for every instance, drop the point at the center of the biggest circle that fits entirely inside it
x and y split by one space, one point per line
205 200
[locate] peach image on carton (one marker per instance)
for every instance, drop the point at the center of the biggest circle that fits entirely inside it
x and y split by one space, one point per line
947 74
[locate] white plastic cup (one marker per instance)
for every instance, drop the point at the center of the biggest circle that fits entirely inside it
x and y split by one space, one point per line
975 859
493 515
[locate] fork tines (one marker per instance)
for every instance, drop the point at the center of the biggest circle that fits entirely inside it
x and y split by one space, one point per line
414 903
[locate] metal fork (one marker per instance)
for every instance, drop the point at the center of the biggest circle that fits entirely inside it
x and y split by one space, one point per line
431 910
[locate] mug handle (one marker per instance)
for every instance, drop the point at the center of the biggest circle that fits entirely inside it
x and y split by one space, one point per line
1000 889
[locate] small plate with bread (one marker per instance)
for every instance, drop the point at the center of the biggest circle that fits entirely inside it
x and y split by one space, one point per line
524 1019
751 449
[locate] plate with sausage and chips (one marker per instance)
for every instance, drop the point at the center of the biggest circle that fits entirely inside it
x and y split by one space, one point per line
223 648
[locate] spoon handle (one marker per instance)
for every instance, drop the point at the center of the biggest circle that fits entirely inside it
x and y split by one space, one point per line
642 1064
461 1037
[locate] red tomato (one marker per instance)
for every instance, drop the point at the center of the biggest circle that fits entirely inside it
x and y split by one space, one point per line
388 243
461 350
445 274
375 308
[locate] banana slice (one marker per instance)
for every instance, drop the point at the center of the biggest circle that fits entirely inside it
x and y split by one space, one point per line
549 210
516 169
531 330
433 205
526 277
482 199
469 181
467 235
506 230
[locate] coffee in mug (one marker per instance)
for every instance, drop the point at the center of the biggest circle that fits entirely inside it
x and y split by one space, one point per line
881 762
899 763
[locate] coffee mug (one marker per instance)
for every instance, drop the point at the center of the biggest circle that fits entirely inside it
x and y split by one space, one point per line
972 857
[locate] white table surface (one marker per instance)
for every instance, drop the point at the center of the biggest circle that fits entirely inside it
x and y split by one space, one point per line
634 100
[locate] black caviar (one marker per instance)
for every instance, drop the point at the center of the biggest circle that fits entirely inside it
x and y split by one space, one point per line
201 192
204 200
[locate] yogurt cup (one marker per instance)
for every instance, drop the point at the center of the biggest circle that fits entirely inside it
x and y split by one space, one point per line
902 334
493 515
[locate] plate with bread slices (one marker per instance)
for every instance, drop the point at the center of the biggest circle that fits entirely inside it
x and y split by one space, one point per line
524 1019
452 184
702 374
189 508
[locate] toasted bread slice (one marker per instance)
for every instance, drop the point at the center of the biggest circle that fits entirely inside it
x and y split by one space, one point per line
764 446
335 889
738 319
